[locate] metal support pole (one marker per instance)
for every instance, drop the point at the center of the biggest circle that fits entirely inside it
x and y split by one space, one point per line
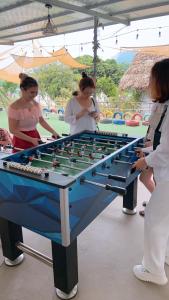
95 47
34 253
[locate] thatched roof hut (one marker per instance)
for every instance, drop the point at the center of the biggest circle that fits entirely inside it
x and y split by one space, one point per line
138 74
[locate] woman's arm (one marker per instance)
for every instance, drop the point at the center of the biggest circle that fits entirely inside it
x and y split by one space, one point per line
46 126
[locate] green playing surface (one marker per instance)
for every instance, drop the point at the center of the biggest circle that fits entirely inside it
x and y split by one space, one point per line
64 157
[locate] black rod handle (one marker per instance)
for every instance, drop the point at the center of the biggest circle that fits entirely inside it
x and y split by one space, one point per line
132 170
117 177
116 189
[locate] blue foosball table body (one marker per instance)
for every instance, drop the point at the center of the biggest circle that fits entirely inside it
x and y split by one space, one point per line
60 200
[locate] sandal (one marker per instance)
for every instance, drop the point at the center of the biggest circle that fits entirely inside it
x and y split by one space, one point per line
142 213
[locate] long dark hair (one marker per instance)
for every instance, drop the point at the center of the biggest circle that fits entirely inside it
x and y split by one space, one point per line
159 81
27 81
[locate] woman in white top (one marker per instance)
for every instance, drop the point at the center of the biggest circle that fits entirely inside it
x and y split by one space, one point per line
82 111
156 229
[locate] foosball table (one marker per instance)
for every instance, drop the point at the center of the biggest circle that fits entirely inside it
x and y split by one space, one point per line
57 189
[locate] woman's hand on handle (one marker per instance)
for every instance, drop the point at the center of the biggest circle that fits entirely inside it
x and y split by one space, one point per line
35 141
140 164
55 135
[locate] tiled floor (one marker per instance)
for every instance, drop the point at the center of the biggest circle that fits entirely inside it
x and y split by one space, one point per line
107 251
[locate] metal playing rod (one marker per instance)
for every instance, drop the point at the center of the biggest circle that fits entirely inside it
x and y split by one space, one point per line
122 162
103 143
116 189
62 165
125 156
98 139
68 158
34 253
131 151
76 153
111 176
92 146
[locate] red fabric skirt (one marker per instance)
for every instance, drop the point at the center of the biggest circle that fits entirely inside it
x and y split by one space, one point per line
19 143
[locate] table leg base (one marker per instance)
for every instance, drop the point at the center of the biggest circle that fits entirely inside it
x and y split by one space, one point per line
15 262
129 211
63 295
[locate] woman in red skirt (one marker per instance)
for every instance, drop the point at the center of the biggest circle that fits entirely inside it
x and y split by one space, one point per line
24 114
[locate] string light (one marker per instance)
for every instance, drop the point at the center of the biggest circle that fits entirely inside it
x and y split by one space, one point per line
159 33
114 35
137 34
101 25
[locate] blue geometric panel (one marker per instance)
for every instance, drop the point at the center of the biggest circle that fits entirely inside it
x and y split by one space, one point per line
32 204
86 203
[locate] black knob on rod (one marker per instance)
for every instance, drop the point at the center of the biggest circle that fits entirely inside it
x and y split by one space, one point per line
110 176
117 189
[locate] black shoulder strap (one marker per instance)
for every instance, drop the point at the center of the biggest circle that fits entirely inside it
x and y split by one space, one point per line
162 117
157 133
93 102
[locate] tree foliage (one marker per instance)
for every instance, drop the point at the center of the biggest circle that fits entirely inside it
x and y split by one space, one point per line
56 80
105 68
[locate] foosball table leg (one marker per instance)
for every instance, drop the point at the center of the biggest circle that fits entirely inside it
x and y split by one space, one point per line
130 199
65 269
11 234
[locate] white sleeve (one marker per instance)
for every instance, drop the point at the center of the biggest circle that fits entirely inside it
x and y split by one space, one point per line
160 156
70 116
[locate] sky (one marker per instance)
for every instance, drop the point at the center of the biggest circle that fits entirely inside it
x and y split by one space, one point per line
111 38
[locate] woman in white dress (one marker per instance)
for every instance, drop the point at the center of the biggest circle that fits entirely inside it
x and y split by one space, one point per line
156 228
82 111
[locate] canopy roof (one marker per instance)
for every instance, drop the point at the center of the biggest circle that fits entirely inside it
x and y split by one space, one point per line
11 64
24 19
138 74
61 55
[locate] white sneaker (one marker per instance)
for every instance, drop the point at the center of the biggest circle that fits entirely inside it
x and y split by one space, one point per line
141 273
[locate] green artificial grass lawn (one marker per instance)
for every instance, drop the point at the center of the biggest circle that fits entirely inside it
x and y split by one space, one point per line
62 127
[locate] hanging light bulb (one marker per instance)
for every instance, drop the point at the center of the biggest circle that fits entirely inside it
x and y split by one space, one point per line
159 33
116 40
81 48
49 28
137 35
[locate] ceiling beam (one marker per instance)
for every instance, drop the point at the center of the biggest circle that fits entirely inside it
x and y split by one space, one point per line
55 27
139 8
36 20
64 13
155 15
65 32
83 10
13 6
